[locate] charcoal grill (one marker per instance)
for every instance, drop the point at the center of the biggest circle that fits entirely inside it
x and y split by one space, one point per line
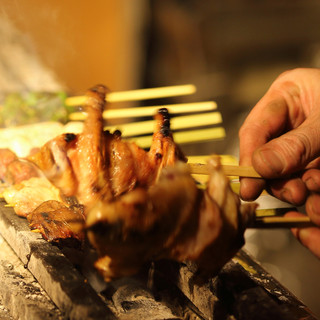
58 286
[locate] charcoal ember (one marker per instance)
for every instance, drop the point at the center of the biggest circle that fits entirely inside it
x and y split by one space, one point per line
133 300
195 293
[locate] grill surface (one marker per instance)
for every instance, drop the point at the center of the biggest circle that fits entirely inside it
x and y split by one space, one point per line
242 290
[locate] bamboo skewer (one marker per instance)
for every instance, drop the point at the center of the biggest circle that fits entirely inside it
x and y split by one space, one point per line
177 123
189 136
141 94
260 221
273 212
180 137
274 218
281 222
229 170
9 205
146 127
149 111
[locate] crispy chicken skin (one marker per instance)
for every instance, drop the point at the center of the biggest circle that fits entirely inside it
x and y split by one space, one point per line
53 161
97 165
172 219
6 157
141 224
54 220
20 170
29 194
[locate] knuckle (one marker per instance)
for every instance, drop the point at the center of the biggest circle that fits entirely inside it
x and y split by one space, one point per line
297 148
249 131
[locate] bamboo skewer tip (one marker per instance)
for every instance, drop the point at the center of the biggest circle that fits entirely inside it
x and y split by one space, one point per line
139 94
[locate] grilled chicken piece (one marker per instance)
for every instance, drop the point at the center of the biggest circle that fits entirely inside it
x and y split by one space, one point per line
75 163
56 221
14 170
29 194
133 228
96 164
6 157
172 219
20 170
53 161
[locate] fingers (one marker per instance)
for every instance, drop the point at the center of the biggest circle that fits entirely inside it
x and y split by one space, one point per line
311 178
261 124
280 135
265 121
293 190
250 189
313 208
289 153
309 237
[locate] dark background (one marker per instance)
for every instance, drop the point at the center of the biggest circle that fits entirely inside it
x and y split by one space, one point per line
231 50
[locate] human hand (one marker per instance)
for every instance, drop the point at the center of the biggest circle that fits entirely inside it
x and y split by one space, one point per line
281 139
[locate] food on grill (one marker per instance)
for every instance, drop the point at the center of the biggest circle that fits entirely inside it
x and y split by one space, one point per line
54 220
20 170
6 157
172 219
22 140
97 164
29 194
135 205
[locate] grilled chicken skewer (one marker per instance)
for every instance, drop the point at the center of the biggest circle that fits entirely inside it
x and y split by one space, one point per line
92 165
97 164
137 205
172 219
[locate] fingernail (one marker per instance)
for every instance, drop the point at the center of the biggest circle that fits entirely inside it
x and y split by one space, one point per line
272 160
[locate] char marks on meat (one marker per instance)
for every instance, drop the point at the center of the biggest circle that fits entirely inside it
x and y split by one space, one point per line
54 220
172 219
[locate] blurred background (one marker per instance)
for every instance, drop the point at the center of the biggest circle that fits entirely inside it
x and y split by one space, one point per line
231 50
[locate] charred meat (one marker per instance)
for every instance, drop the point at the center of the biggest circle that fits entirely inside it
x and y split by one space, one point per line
172 219
97 165
54 220
135 206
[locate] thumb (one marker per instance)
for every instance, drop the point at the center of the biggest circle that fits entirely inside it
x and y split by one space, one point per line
288 153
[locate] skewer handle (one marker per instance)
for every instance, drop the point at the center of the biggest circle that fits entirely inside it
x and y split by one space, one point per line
281 222
229 170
